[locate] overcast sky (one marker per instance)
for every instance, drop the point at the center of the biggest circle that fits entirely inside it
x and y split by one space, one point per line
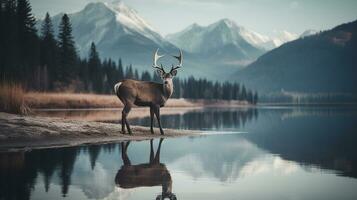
263 16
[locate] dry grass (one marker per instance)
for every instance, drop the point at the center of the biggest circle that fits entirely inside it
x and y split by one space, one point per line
80 100
85 101
12 98
70 100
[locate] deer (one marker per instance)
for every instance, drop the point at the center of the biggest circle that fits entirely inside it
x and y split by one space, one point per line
149 94
153 173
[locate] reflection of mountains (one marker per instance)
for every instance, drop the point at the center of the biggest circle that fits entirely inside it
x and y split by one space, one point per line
71 166
324 137
205 119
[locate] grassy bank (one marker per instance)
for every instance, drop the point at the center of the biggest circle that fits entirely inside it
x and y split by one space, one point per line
12 98
75 101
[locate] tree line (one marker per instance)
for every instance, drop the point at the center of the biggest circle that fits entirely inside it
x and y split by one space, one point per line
43 61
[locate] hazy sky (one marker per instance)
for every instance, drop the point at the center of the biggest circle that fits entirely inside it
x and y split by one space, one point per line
263 16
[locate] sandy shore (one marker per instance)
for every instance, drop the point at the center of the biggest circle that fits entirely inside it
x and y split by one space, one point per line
108 114
29 132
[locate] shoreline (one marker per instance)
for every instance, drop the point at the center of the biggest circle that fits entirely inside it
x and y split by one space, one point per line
21 133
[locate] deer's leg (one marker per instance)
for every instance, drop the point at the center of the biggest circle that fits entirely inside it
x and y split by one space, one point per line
157 113
123 121
151 152
126 111
157 155
124 155
152 119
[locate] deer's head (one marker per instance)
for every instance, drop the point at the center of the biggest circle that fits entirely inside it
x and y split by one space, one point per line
167 77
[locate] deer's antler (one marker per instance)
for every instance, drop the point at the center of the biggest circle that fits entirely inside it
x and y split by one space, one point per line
156 58
180 59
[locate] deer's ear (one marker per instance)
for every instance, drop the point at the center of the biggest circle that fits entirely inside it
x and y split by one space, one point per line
174 72
160 72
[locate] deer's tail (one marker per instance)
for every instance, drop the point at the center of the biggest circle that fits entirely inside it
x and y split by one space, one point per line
116 87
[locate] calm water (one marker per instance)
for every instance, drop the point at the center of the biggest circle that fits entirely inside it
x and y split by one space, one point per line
265 153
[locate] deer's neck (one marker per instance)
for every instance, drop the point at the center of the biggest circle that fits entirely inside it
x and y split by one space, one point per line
168 89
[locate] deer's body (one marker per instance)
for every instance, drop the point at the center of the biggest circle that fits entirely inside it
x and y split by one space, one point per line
144 93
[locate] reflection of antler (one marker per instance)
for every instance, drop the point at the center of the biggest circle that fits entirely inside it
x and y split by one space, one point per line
153 173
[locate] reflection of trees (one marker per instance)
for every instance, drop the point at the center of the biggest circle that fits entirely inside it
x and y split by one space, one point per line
206 119
94 151
18 171
68 156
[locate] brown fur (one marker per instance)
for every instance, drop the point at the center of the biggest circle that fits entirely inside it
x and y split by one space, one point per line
143 93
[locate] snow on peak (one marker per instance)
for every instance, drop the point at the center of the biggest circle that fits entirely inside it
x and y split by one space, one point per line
129 16
229 23
281 37
131 19
308 33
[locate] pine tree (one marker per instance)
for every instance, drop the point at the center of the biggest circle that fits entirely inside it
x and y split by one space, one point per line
156 78
129 72
243 95
67 51
27 36
177 88
9 41
136 75
255 98
94 66
120 70
145 76
49 51
84 74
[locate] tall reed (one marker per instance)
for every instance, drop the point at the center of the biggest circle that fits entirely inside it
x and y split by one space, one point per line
12 98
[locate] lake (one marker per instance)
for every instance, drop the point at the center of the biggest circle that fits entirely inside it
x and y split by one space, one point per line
252 153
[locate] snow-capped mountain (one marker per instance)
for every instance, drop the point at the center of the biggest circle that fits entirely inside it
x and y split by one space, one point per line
117 30
309 32
223 40
282 37
187 39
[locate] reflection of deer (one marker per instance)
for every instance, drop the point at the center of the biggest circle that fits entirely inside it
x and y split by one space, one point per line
149 174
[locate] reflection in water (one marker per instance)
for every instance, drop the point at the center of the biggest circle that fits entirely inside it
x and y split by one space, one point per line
149 174
20 170
286 145
207 119
324 138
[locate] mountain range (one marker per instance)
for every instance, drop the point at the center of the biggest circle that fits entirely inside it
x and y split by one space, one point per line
325 62
119 32
314 61
194 37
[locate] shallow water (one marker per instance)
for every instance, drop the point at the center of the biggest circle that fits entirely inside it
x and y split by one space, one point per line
265 153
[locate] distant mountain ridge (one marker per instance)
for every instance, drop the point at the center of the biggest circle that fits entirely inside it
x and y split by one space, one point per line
325 62
193 38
